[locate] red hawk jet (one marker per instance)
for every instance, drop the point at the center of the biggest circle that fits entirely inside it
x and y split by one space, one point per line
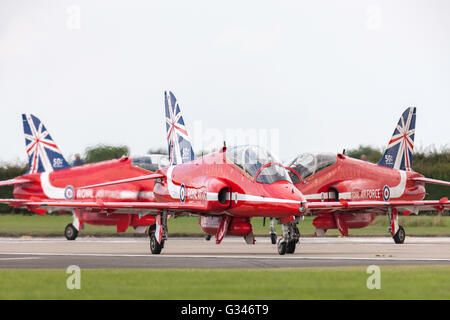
50 177
339 179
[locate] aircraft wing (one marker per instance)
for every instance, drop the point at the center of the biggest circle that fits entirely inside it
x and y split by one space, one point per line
135 179
14 181
402 205
429 180
14 202
112 207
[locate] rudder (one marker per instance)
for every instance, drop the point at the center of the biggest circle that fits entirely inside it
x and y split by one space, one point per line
399 151
179 143
43 154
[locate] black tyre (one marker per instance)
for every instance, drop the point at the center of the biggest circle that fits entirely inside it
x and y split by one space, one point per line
281 247
70 232
273 238
290 247
151 230
155 247
208 237
400 236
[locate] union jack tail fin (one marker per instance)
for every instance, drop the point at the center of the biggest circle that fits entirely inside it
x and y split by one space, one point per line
43 154
180 147
399 151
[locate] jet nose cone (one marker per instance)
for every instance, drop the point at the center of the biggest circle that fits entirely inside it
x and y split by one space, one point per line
303 207
303 204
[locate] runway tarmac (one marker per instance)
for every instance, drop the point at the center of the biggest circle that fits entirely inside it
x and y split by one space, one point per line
55 253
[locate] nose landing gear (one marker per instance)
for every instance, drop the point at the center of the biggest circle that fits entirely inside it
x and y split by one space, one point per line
291 236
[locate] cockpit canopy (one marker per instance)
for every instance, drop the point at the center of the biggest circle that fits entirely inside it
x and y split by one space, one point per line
308 164
258 163
151 162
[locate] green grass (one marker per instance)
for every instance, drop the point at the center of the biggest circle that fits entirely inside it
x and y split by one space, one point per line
397 282
53 225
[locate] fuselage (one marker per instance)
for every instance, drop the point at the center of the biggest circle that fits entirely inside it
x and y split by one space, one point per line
63 185
326 177
56 184
356 180
227 189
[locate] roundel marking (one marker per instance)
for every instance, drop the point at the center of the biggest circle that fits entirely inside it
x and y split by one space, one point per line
386 193
69 193
182 193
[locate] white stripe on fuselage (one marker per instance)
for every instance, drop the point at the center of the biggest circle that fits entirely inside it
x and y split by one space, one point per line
50 191
174 192
396 191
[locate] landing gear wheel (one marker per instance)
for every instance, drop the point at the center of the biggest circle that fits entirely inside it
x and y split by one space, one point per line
155 247
151 230
290 248
70 232
281 247
208 237
273 238
400 236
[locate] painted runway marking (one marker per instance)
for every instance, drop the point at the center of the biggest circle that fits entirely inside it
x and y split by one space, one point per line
27 258
312 240
227 257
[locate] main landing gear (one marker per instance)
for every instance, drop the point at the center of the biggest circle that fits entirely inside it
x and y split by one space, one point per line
158 233
290 238
71 232
397 231
72 229
400 235
155 247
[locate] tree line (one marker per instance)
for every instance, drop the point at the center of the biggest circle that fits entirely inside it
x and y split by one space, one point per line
432 164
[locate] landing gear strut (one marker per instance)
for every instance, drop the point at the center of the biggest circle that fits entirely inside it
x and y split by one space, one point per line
273 233
291 236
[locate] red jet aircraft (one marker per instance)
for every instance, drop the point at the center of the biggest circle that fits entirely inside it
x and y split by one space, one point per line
330 178
51 177
226 189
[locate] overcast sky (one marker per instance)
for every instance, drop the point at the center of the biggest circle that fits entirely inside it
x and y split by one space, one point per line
302 75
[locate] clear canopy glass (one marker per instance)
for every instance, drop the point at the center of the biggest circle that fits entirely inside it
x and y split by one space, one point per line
308 164
258 163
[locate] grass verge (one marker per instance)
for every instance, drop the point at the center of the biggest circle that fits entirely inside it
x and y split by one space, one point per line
53 225
397 282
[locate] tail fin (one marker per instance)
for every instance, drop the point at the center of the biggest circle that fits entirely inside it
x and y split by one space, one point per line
180 147
43 154
399 151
